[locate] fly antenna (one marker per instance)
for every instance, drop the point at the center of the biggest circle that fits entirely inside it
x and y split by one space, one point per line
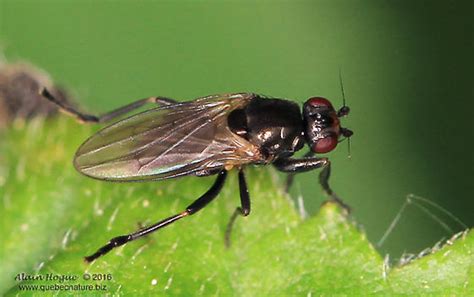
344 110
349 148
347 135
342 88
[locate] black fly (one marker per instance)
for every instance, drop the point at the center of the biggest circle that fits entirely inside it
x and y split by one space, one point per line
207 136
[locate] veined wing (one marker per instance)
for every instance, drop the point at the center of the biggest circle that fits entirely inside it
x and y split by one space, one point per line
168 141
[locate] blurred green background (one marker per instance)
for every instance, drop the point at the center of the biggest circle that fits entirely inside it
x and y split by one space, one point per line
407 69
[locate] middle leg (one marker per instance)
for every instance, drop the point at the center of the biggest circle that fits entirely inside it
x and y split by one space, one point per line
243 210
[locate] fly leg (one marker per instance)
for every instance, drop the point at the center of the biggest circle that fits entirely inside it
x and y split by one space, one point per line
89 118
324 182
291 176
243 210
197 205
293 166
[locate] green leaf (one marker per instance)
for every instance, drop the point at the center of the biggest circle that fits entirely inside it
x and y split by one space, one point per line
53 217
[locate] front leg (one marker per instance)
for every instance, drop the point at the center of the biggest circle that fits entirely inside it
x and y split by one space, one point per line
291 176
292 166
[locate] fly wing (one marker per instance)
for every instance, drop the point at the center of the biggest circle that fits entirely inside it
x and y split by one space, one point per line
168 141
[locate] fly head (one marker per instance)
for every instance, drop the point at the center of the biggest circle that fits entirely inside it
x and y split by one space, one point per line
322 124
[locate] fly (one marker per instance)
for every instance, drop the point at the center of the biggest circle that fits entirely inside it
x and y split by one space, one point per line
207 136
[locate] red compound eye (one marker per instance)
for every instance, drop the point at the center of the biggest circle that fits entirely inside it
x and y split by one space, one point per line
319 102
325 145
